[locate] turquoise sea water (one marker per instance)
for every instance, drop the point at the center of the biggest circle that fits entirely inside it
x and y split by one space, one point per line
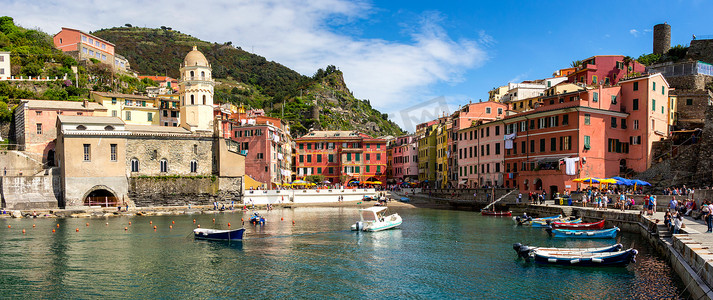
436 254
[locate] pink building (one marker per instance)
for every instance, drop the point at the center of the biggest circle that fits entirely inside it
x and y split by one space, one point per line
404 154
35 123
466 117
84 46
604 69
266 144
610 130
480 154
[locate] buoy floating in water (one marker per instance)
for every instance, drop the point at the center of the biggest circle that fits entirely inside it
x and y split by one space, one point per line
33 225
52 230
77 229
126 228
23 231
194 220
129 222
282 219
170 226
57 225
154 228
199 225
9 226
150 222
173 222
293 222
88 224
228 224
213 220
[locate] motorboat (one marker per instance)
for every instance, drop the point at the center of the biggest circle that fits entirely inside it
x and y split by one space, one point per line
584 234
218 234
375 219
526 220
524 251
578 226
548 222
586 259
257 219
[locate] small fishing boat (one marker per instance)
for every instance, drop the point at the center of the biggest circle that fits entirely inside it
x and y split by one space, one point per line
218 234
375 219
526 220
549 222
587 259
257 219
578 226
496 213
405 199
584 234
524 251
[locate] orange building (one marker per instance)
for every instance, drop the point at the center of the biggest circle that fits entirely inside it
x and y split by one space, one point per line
341 156
84 46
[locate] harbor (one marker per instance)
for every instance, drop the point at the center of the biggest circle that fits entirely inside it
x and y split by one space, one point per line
311 251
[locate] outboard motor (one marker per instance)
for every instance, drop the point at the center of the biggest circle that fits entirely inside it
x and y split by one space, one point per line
518 220
549 230
359 226
522 251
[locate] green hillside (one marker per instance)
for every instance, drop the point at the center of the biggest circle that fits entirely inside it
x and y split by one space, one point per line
320 102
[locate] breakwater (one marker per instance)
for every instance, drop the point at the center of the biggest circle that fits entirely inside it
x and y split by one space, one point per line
687 252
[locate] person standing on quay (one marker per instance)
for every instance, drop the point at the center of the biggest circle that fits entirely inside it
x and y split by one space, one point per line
706 214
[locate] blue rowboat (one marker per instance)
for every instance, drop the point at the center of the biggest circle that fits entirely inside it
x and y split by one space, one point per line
585 259
584 234
525 251
218 235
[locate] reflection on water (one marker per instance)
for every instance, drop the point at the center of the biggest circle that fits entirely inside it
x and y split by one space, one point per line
442 254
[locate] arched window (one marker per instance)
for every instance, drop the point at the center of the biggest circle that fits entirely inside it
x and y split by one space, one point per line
163 164
194 166
193 99
202 74
109 128
134 165
192 74
204 100
81 127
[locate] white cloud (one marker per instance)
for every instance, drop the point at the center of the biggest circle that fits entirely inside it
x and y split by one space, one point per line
294 33
634 32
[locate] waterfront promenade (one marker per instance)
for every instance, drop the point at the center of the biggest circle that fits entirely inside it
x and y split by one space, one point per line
690 252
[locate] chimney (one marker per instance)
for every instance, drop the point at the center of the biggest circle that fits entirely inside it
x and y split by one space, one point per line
86 103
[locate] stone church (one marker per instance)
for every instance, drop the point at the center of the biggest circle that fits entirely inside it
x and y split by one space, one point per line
105 162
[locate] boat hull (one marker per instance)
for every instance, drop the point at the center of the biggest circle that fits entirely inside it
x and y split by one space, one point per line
579 226
524 250
496 213
547 223
584 234
619 258
389 222
218 235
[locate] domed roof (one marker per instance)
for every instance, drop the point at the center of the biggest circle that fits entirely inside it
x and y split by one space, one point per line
195 58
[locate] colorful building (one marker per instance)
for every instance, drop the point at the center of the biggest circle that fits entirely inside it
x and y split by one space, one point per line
426 141
165 82
563 72
480 154
169 109
266 144
443 132
404 155
608 130
604 70
35 123
497 93
84 46
132 109
341 156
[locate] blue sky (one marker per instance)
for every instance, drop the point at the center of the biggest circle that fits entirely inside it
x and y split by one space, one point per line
401 53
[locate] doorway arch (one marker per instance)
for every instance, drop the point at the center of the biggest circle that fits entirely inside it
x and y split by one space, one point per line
101 195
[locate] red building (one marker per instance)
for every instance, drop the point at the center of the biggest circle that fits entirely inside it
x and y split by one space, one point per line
341 156
608 130
604 70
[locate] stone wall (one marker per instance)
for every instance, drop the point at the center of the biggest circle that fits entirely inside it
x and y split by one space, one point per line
690 82
177 151
691 106
30 192
175 191
701 50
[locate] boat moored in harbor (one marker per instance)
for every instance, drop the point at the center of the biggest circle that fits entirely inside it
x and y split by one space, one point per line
584 234
375 219
218 234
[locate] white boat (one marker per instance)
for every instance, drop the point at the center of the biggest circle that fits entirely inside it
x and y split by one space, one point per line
375 219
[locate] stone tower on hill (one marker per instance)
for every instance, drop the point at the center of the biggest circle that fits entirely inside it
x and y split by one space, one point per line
195 89
662 38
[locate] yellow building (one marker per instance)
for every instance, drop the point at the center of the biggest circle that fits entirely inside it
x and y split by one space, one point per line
672 101
132 109
427 153
497 93
441 166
